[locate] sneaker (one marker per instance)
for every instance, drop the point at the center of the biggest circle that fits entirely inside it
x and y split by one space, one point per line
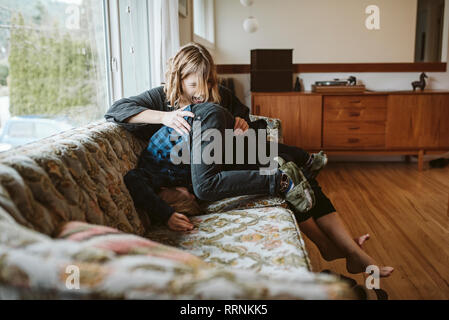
319 162
301 196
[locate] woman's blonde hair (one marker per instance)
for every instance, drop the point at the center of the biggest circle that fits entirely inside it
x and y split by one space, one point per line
193 58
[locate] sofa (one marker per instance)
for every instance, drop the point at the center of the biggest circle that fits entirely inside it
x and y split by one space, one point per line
69 230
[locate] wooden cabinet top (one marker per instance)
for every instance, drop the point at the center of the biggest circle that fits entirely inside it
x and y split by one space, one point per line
296 93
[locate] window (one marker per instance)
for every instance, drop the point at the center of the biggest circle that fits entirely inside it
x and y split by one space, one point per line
204 22
52 67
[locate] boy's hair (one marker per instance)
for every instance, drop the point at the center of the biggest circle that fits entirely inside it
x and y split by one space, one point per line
193 58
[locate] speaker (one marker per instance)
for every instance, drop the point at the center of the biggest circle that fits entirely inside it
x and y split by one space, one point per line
271 70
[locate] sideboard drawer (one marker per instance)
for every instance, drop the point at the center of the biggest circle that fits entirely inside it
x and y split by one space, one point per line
354 141
332 113
355 101
354 127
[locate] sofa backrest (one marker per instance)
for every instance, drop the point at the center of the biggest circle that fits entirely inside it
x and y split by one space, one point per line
74 175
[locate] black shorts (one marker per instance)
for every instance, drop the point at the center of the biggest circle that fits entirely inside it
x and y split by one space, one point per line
323 205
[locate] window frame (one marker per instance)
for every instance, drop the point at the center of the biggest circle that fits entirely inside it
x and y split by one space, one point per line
209 24
128 44
113 50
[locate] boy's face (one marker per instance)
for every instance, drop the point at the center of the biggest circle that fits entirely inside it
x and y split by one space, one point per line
189 89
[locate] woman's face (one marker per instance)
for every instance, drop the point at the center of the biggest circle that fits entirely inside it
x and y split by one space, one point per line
189 89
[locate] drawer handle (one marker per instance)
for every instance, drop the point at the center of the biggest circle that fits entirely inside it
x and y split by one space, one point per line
354 114
354 128
353 140
355 101
258 110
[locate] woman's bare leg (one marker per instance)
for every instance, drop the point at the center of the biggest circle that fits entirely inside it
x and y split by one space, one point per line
328 250
356 259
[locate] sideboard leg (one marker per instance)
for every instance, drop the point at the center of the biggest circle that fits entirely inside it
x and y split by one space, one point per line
421 160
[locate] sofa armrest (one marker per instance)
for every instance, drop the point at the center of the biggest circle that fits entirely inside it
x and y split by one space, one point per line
274 127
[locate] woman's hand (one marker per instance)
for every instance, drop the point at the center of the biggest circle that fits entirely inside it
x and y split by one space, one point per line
175 119
240 126
179 222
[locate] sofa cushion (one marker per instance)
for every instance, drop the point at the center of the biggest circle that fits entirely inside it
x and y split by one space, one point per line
243 202
120 243
34 266
274 127
265 240
43 270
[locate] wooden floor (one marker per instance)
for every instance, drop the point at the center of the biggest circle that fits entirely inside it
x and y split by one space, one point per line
406 214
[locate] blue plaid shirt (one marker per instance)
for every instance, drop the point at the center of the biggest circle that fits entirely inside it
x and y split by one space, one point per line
159 149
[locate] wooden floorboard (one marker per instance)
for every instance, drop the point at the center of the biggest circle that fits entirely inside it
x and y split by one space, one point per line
406 213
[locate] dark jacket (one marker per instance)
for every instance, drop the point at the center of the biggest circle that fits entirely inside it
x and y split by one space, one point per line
155 99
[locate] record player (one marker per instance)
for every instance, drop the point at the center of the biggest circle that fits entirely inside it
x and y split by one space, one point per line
338 85
335 82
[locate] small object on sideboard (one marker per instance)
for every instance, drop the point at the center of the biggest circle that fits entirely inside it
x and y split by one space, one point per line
421 83
339 85
352 81
297 85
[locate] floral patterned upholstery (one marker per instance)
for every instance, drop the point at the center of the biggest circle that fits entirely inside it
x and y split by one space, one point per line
265 240
78 176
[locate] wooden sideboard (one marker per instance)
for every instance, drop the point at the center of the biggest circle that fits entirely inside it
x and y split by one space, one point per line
371 123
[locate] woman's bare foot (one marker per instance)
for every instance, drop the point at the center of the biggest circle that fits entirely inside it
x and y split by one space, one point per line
358 262
360 240
333 253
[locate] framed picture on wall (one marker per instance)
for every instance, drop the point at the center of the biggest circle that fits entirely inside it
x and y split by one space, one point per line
183 8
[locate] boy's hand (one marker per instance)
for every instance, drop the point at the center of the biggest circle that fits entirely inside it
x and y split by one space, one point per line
240 126
179 222
175 119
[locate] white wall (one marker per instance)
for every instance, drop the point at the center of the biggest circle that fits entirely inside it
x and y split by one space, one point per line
281 26
318 31
230 15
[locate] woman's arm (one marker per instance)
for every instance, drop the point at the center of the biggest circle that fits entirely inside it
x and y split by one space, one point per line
147 116
152 101
173 119
141 114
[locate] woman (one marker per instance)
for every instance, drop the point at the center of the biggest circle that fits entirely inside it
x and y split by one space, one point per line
193 91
